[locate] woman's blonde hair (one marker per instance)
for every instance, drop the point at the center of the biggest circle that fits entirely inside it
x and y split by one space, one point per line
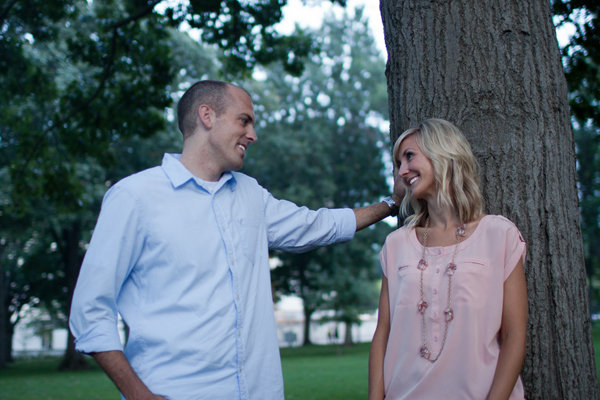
454 169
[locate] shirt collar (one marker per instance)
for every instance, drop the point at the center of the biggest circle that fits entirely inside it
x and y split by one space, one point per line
179 175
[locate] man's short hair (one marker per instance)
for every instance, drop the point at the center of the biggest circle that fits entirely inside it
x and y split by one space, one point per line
212 93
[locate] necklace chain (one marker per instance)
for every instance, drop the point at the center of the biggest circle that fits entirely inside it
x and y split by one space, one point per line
422 305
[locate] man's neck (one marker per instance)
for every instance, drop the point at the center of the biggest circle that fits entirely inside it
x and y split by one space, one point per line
195 162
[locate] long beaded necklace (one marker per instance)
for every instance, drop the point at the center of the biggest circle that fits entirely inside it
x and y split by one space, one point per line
422 304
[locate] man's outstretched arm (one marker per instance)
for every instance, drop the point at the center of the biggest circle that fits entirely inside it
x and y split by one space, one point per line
368 215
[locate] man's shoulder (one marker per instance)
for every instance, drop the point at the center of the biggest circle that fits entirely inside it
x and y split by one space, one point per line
141 180
245 181
241 177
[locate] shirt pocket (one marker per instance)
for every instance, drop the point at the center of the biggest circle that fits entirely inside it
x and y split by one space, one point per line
404 284
473 281
249 231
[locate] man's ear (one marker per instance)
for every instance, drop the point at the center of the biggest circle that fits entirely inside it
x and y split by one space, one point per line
206 115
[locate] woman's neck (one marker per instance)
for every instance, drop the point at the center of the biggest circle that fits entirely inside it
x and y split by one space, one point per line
442 217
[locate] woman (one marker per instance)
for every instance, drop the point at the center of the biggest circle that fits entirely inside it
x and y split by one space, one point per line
453 304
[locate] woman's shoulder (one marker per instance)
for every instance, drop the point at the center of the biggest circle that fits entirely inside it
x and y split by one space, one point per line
498 223
399 235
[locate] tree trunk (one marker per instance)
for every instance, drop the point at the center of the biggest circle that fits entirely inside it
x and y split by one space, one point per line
493 68
72 360
348 341
4 322
71 256
308 312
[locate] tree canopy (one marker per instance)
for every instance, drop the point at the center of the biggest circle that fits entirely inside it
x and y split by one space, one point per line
323 127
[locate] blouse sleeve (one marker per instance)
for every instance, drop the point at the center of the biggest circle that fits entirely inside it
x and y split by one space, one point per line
383 259
515 249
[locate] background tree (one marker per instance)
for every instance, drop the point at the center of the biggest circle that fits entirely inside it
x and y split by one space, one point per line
581 59
494 69
321 127
587 142
86 77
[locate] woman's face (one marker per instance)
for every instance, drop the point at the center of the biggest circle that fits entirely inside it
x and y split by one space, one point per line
415 169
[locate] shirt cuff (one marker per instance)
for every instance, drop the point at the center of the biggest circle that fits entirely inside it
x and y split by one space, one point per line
98 343
345 222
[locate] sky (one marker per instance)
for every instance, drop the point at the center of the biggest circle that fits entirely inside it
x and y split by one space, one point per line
311 14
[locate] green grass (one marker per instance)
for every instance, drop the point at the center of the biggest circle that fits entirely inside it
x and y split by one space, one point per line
39 379
326 372
310 373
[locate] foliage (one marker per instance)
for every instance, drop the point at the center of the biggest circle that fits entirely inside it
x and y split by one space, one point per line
587 142
320 125
581 58
89 83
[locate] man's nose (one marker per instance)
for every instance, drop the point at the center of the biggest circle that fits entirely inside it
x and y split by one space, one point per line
251 134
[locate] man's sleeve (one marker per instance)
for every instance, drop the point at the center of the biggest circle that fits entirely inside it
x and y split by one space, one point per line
115 245
298 229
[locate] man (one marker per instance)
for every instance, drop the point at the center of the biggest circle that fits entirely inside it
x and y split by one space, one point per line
181 252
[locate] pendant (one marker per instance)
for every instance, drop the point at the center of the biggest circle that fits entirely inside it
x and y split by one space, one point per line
451 269
422 265
424 351
449 313
422 306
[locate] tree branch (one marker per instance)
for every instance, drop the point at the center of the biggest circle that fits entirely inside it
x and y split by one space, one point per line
105 76
140 14
6 10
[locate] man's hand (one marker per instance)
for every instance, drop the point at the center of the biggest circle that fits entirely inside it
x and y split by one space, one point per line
120 372
399 189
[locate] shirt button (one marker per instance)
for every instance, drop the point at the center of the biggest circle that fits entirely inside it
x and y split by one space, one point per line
437 271
434 291
435 338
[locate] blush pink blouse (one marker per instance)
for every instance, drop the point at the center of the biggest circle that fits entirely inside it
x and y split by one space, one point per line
466 366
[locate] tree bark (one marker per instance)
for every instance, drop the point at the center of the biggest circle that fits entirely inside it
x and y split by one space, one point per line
493 68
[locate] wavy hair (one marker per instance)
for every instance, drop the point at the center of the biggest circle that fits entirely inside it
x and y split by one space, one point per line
455 171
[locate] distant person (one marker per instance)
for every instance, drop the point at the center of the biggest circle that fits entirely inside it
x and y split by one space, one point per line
453 307
180 251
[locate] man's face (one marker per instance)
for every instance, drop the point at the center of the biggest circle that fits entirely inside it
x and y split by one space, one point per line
233 131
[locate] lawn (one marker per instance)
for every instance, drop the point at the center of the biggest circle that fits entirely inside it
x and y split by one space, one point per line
310 373
326 372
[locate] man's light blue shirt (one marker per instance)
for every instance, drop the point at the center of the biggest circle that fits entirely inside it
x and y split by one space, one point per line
187 268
